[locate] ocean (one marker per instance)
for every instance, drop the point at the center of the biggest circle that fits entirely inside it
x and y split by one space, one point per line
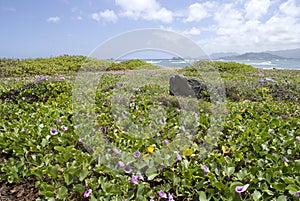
292 64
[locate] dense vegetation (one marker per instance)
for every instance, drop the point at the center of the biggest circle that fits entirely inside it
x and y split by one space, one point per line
65 65
255 155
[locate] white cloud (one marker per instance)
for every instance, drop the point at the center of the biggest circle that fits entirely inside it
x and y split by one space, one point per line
290 8
192 31
255 9
198 11
248 29
144 9
53 19
107 15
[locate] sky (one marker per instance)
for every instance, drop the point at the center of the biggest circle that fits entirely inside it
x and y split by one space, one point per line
40 28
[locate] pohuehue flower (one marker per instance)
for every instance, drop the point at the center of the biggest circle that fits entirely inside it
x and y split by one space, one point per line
116 151
170 197
134 179
64 128
177 110
240 189
151 199
140 176
87 193
53 131
165 141
121 164
297 194
162 194
137 154
81 139
285 160
128 169
298 138
132 104
178 158
58 120
205 169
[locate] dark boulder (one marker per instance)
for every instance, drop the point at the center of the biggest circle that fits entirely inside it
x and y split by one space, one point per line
188 87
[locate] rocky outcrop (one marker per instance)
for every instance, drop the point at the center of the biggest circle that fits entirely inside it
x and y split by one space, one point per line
188 87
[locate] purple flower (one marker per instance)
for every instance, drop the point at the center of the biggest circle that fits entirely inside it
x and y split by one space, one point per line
240 189
178 158
205 169
151 199
25 130
285 160
137 154
131 96
121 164
132 104
140 176
170 197
81 140
58 120
87 193
162 194
136 89
116 151
298 138
64 128
53 131
150 126
78 99
165 141
134 180
229 122
177 110
140 119
127 169
297 194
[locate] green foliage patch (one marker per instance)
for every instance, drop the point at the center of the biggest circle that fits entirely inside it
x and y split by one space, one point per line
255 157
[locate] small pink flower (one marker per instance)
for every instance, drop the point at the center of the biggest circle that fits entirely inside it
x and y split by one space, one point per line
165 141
285 160
81 140
64 128
137 154
240 189
140 176
178 158
121 164
53 131
87 193
58 120
205 169
116 151
162 194
298 138
134 180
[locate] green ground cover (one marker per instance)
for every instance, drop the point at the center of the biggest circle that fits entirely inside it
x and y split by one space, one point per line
254 152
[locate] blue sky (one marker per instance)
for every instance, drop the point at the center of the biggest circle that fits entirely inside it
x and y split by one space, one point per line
35 28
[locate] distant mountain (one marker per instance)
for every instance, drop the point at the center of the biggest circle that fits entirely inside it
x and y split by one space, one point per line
253 56
222 54
293 53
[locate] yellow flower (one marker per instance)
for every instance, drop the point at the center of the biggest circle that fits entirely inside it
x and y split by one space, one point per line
225 149
188 152
151 148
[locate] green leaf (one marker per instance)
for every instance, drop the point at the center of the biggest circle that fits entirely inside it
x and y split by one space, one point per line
62 193
84 172
256 195
229 170
282 198
202 196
